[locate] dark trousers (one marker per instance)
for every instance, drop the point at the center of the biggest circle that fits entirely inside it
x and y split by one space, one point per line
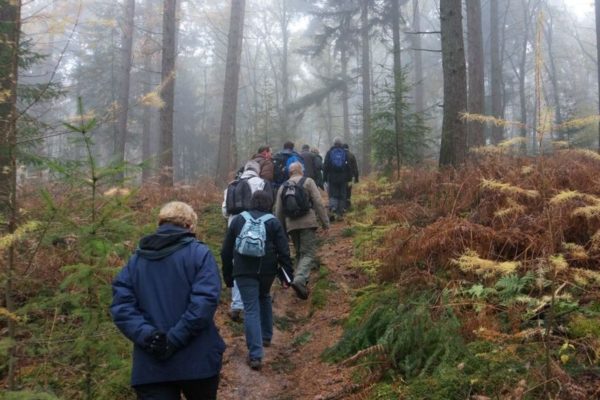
198 389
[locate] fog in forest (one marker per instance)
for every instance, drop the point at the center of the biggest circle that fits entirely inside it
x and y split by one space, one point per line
370 72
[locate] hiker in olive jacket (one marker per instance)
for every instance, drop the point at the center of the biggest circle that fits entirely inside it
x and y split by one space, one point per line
303 229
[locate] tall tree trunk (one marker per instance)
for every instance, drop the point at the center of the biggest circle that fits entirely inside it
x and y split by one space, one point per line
496 90
168 92
146 117
418 59
230 92
397 83
597 5
454 138
10 26
285 81
549 31
345 95
366 86
475 136
522 72
125 67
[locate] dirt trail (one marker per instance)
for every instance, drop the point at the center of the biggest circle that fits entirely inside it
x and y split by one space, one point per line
292 368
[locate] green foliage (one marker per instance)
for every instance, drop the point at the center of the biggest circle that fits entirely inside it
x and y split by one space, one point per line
28 395
509 286
581 326
413 341
318 297
73 327
386 146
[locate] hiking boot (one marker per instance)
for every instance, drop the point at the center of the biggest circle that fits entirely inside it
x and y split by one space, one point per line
235 315
300 289
255 363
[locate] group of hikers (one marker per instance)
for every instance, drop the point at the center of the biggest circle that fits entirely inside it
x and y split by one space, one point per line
165 298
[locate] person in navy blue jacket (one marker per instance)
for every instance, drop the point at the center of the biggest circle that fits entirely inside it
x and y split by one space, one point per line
255 275
164 301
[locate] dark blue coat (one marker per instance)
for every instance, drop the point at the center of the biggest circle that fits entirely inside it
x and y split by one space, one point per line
170 284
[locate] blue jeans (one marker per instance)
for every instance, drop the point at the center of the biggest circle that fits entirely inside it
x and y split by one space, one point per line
258 311
236 298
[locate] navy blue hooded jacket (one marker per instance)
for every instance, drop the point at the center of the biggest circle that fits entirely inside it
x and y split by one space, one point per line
171 284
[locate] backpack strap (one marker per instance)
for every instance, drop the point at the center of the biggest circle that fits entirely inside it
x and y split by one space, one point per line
301 181
266 217
246 215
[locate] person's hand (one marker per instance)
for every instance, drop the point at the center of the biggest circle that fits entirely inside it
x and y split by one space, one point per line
159 346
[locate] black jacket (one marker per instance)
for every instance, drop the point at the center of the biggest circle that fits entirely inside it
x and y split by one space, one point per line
333 175
277 251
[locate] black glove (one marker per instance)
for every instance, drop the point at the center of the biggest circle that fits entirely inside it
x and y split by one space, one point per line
158 345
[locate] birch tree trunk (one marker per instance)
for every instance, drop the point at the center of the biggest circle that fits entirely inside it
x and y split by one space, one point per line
230 92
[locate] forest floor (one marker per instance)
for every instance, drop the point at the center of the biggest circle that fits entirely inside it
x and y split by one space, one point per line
292 367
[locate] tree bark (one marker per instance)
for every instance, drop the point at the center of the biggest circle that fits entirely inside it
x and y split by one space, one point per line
125 67
418 59
366 86
168 92
397 83
345 95
496 71
475 137
597 6
522 72
230 92
558 118
454 138
10 26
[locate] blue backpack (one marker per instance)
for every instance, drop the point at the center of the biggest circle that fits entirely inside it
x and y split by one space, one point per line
253 236
281 166
338 160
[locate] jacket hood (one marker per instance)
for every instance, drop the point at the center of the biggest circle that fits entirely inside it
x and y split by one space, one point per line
249 174
165 241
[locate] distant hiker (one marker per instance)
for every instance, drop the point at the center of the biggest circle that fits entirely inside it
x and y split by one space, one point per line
254 273
352 176
336 170
164 301
282 162
309 162
318 168
238 198
264 159
298 204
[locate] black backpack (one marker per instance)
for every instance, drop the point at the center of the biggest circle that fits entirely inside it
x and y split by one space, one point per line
239 197
294 199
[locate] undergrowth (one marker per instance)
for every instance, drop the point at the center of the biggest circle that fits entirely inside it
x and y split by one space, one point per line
498 258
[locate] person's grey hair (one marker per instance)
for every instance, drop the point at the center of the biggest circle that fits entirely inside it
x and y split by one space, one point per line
252 166
178 213
296 168
337 141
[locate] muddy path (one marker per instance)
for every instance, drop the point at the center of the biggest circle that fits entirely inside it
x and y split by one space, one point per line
292 367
